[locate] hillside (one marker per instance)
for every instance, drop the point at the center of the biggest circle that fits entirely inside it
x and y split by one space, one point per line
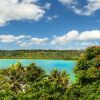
40 54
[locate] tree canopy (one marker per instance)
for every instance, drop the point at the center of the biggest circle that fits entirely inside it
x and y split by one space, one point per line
32 83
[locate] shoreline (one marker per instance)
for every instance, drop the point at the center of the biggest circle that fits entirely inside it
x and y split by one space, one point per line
37 59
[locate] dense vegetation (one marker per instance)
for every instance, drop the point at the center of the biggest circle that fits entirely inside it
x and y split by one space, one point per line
87 72
40 54
32 83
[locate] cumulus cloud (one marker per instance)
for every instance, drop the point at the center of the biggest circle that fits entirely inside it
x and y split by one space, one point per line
72 35
11 38
75 35
89 9
33 41
22 40
72 39
19 10
39 41
90 35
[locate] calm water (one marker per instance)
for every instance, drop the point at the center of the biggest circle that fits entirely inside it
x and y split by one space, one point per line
47 65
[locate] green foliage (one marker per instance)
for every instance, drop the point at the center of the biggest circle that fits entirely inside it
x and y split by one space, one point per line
40 54
32 83
73 92
88 74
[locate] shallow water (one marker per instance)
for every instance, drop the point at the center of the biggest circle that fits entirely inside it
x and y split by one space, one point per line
47 65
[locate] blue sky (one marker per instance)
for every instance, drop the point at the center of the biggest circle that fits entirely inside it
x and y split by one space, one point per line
49 24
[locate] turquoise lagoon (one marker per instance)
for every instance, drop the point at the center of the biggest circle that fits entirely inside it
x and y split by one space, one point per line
47 65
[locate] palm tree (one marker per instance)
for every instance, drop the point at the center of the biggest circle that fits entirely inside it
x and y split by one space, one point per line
59 77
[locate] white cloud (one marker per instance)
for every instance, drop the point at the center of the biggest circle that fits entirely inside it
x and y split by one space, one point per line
39 41
29 1
76 36
47 6
72 39
66 1
33 41
11 38
65 38
24 44
22 40
50 18
90 35
86 43
89 9
19 10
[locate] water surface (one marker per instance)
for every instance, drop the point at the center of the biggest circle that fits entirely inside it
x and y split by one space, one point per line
47 65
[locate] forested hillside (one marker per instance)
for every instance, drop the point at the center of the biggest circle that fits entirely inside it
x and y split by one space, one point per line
40 54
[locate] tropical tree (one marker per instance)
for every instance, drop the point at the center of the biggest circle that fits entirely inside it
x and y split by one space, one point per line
88 74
